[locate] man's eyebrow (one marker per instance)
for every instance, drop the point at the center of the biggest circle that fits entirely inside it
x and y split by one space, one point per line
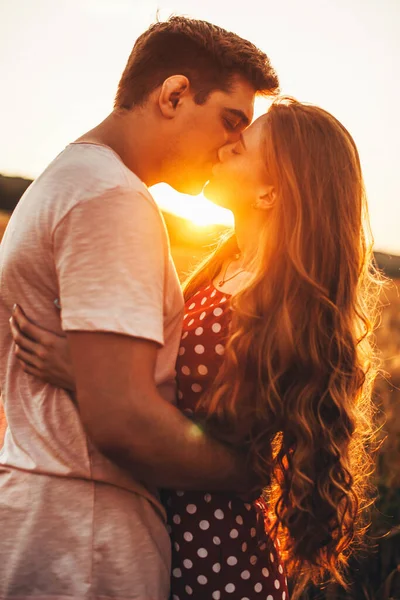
240 114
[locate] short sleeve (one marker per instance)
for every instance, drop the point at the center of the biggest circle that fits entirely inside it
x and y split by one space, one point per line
110 262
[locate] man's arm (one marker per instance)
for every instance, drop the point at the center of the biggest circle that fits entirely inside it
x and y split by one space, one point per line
134 426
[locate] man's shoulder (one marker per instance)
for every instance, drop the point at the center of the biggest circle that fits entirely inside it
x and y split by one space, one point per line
82 173
92 169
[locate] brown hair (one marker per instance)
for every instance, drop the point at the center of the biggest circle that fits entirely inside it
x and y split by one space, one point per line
294 389
207 55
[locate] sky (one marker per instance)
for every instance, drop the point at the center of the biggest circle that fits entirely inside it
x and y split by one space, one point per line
60 62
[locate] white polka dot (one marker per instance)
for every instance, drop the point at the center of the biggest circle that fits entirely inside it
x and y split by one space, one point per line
204 300
223 299
248 506
213 294
263 547
177 573
191 307
216 595
176 519
265 572
233 533
202 369
277 584
239 520
245 598
208 287
216 568
176 546
187 563
202 552
203 314
219 514
258 587
202 579
182 351
244 547
283 595
253 532
169 530
187 536
279 544
245 574
217 311
199 349
271 557
204 525
232 561
180 493
190 322
198 331
191 509
280 569
230 588
184 335
219 349
185 370
216 540
196 388
180 395
188 590
253 559
216 327
269 597
175 597
207 497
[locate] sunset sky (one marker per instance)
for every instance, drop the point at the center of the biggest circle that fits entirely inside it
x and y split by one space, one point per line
60 61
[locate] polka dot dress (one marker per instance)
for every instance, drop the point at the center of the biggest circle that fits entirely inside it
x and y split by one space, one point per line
219 546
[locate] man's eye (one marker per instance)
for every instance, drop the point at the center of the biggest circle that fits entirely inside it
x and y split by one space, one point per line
231 125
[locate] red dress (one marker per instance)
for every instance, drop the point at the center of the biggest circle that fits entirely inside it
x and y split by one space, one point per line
219 547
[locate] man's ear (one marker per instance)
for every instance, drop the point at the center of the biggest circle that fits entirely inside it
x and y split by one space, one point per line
172 92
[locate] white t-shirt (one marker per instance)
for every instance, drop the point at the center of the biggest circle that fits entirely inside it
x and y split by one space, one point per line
88 233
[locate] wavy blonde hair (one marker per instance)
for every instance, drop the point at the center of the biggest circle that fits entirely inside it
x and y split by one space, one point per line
295 387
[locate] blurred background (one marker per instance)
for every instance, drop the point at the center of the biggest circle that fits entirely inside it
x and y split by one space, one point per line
60 62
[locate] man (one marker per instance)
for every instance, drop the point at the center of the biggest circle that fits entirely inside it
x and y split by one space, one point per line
79 514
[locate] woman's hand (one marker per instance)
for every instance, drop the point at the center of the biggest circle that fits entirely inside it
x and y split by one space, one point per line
42 353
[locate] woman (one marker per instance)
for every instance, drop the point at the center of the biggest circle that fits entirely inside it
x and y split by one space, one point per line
275 360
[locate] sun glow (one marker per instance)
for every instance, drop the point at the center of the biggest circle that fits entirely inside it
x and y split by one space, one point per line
197 209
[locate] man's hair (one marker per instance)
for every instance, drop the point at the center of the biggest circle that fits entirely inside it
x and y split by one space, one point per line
209 56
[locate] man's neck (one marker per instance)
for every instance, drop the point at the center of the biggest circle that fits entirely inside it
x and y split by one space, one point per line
131 134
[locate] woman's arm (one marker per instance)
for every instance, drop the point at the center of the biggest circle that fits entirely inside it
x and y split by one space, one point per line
42 353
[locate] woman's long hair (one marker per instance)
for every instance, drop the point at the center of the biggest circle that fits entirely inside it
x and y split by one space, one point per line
295 386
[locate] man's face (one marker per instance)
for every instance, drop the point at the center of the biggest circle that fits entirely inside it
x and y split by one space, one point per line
201 130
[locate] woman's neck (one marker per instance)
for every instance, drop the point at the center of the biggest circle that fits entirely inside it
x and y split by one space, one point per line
247 237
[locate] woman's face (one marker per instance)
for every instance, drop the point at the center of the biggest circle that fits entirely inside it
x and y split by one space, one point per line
239 180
